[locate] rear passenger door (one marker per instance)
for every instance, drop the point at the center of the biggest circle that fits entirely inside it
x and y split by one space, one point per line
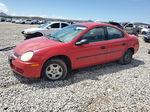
116 44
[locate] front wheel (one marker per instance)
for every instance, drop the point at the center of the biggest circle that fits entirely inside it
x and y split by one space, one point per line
38 34
126 58
54 69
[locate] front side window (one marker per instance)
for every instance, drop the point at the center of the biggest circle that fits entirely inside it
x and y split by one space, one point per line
94 35
55 25
114 33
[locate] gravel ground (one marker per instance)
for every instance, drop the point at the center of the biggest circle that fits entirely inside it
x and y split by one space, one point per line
109 87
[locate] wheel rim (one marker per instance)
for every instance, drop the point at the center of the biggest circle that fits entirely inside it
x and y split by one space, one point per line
128 57
54 71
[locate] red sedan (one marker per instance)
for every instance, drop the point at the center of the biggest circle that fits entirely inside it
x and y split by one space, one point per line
76 46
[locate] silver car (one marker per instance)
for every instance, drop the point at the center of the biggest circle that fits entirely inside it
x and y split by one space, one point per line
44 29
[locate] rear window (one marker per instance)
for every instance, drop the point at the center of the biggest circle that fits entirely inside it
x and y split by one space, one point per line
114 33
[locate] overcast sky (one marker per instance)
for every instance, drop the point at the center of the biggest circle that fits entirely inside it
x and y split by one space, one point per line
103 10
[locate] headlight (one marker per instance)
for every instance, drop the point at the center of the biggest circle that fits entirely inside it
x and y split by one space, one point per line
27 56
25 32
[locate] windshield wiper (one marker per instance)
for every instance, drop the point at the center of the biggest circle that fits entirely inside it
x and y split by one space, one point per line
54 38
57 39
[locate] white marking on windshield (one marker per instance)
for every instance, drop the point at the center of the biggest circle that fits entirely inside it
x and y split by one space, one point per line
81 28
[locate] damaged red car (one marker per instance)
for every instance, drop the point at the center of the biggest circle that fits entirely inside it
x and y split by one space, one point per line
73 47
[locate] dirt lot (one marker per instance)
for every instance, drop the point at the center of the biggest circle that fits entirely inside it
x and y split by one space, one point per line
107 87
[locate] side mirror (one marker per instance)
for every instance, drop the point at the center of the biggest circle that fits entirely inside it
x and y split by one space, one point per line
48 27
81 42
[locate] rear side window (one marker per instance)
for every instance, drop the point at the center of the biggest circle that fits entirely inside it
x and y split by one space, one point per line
114 33
55 25
63 25
129 25
94 35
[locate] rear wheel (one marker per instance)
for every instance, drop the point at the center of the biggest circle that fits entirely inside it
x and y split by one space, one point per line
126 58
144 33
54 69
146 40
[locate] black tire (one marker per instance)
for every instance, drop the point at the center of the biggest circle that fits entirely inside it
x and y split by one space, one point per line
52 72
126 58
146 40
37 34
28 36
144 33
136 34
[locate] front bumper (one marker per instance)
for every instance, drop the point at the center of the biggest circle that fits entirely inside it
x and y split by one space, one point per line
25 69
27 36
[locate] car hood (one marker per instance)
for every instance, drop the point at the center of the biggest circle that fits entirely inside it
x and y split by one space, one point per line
33 29
35 44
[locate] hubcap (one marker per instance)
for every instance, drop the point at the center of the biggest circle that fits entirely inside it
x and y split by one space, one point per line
54 71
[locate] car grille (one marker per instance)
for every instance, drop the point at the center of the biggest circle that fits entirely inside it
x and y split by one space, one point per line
19 70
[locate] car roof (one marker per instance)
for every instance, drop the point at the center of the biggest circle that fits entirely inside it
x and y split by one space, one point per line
94 24
51 22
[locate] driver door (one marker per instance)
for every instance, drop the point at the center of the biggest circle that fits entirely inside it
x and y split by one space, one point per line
53 28
92 53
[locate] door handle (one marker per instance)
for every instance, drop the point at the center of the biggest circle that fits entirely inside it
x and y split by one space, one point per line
103 47
123 44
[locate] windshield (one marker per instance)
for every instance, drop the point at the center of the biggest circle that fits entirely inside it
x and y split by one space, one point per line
67 34
44 25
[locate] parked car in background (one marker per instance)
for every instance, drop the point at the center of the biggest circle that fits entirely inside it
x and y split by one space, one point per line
41 21
44 29
146 37
19 21
34 22
145 30
73 47
2 19
8 19
13 20
28 21
131 28
115 24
